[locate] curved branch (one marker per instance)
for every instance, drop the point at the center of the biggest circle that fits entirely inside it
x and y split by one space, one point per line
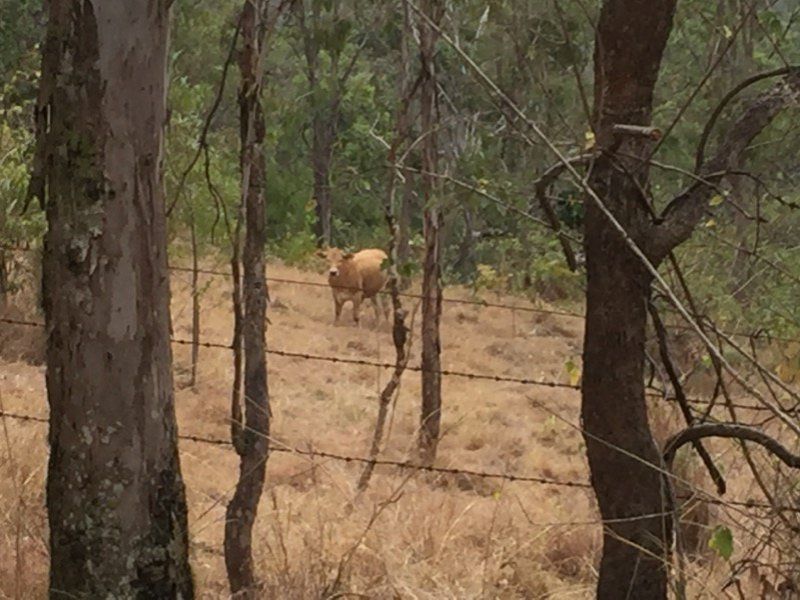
540 188
680 396
729 430
684 212
202 139
701 146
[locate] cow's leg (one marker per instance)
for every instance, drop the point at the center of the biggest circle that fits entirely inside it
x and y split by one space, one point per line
378 309
356 308
386 304
337 307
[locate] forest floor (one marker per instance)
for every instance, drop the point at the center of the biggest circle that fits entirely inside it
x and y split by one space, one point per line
411 535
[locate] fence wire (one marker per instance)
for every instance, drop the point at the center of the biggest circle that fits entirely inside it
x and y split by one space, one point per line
412 466
419 369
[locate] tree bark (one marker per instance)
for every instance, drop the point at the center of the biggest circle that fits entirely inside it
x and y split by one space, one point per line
631 36
324 117
323 136
431 413
115 497
253 447
623 458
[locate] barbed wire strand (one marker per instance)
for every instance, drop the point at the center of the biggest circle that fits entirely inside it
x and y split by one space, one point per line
760 334
416 368
408 465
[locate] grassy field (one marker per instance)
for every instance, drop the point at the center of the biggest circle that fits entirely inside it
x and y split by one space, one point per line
410 535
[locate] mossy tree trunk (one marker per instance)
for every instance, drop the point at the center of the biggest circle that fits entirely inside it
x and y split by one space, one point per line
115 496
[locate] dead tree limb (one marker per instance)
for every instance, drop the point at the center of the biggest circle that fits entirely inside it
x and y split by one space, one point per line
202 140
540 189
680 396
400 333
683 213
195 303
643 131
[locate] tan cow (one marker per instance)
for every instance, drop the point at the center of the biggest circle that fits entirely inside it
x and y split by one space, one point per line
356 277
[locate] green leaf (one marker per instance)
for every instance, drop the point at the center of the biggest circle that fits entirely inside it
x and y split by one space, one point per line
716 200
574 372
721 541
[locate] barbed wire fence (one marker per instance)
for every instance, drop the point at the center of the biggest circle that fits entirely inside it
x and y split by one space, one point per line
412 466
406 465
364 362
513 308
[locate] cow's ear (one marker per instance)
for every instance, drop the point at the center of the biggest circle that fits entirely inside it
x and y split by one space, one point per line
320 253
347 256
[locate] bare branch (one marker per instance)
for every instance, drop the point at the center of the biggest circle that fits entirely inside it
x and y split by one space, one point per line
202 139
644 131
541 186
701 146
681 216
729 430
680 396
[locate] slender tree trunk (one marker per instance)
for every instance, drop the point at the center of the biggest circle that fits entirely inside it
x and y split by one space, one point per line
115 496
324 113
321 157
3 277
622 455
195 305
404 132
404 226
431 414
253 450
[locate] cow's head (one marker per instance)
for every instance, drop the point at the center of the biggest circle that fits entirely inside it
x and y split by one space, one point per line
335 257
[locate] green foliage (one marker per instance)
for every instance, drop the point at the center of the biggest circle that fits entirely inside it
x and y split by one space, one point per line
533 52
721 542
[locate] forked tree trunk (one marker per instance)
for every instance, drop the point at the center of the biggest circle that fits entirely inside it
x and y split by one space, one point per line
625 465
430 417
253 444
115 497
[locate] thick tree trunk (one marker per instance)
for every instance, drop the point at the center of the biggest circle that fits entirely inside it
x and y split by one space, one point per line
622 455
115 497
253 449
431 413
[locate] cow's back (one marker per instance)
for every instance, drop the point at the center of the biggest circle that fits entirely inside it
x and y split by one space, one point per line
369 262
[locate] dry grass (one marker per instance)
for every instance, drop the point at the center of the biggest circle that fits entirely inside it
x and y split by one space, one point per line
445 537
